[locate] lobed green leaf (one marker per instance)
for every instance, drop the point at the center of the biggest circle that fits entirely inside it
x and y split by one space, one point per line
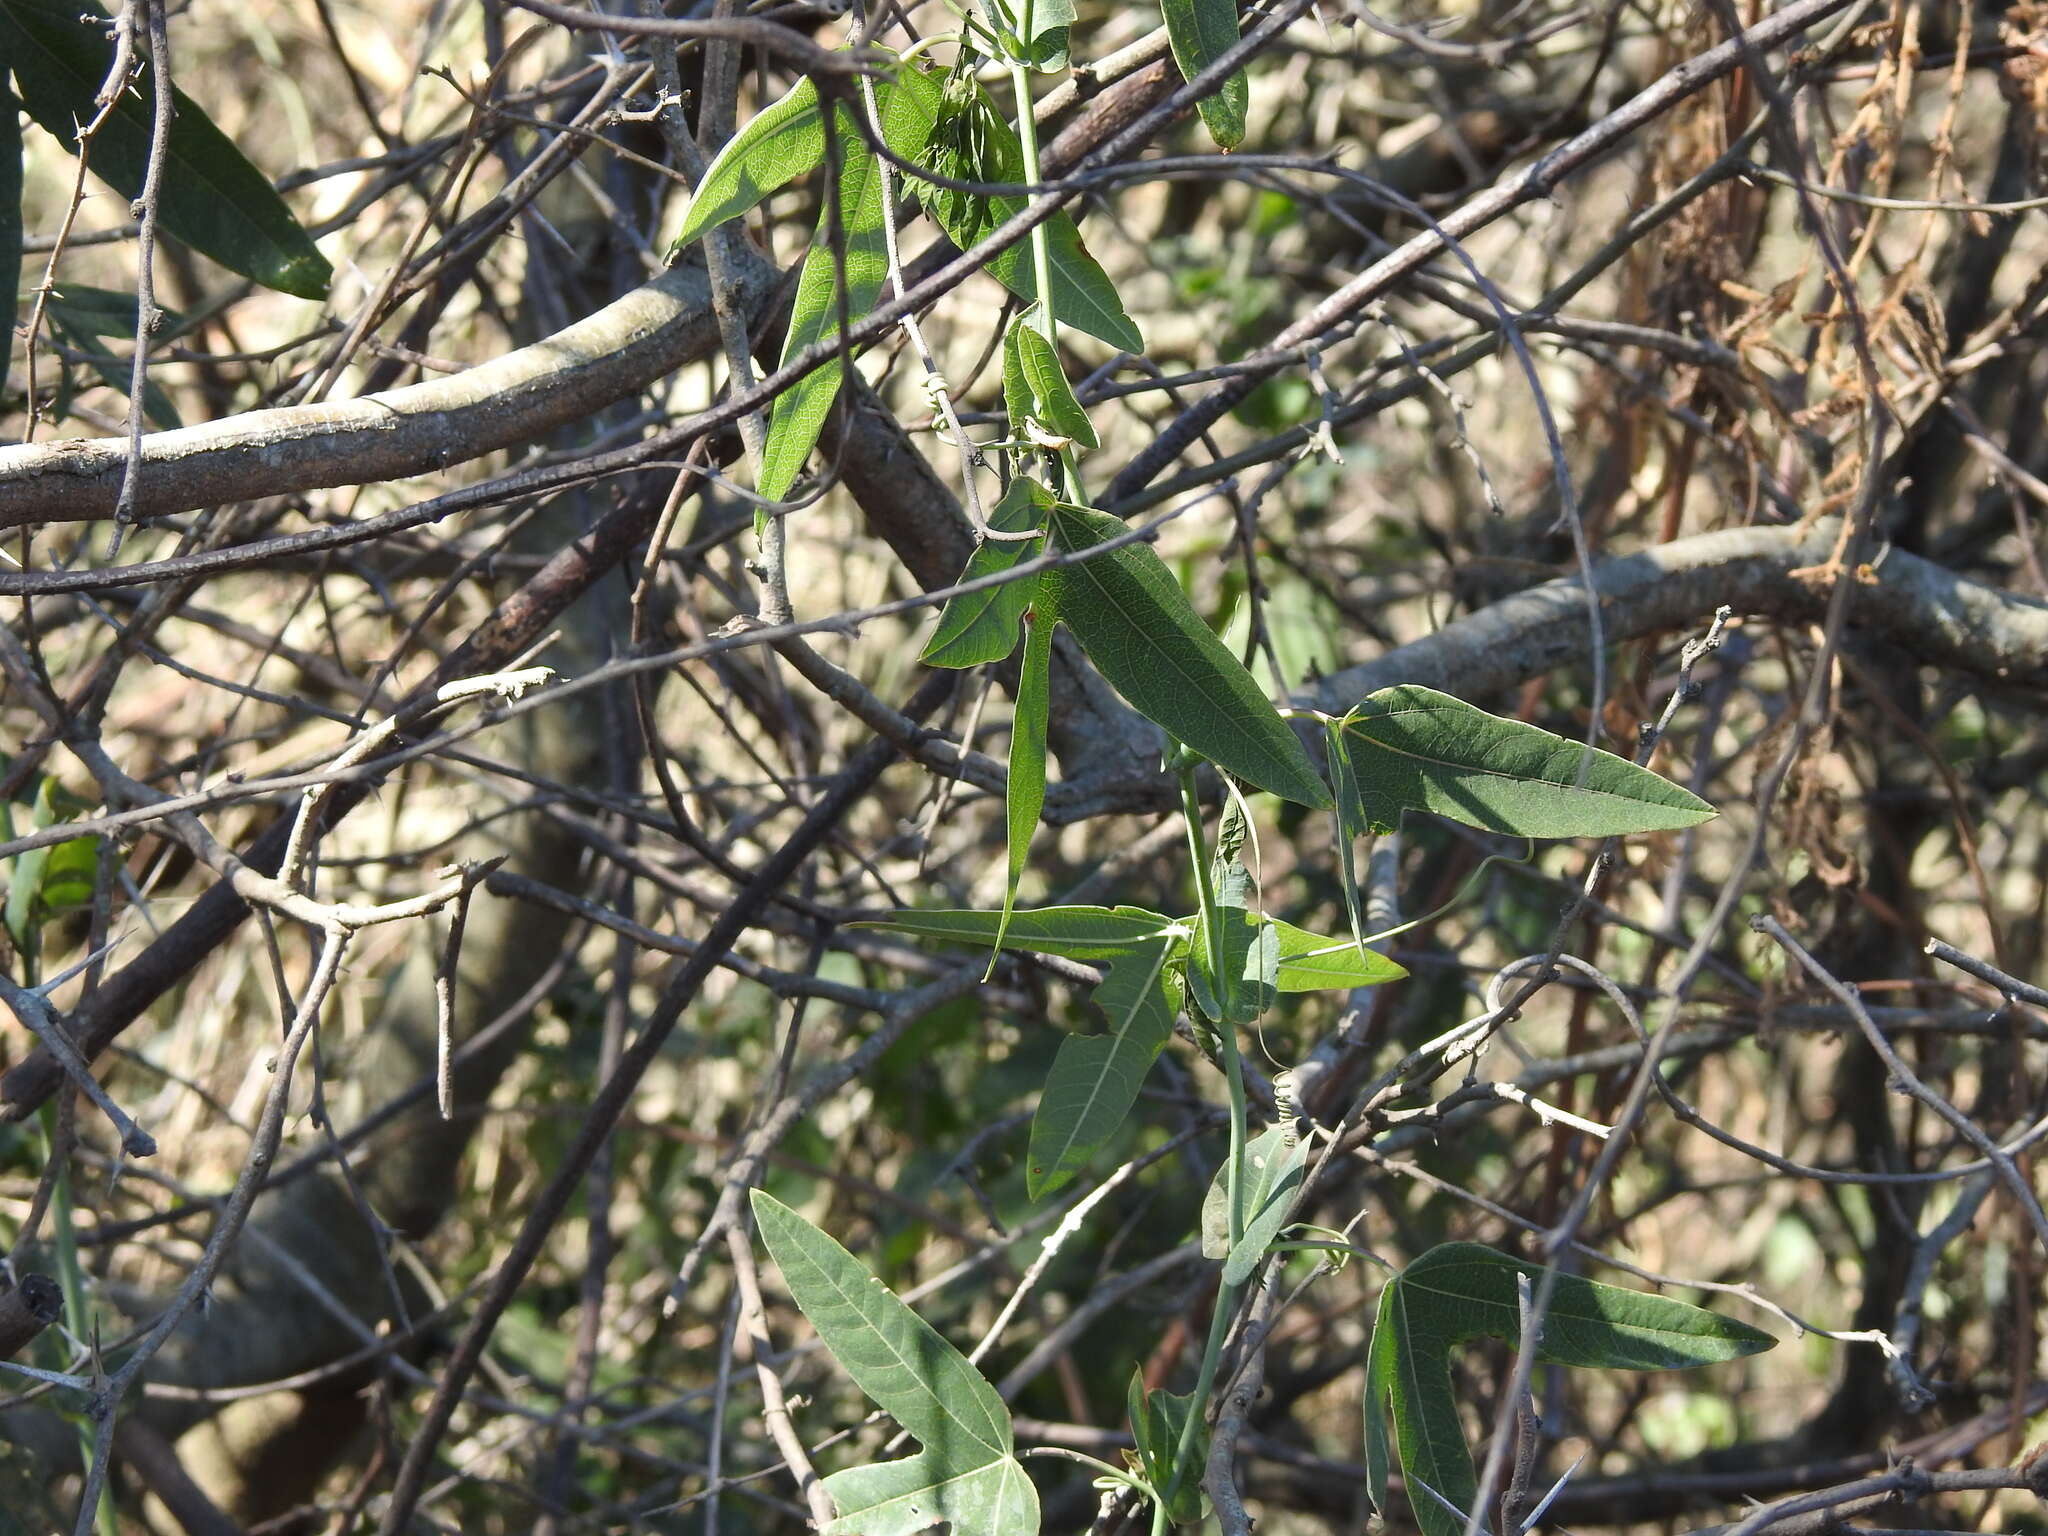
1461 1291
1095 1079
966 1473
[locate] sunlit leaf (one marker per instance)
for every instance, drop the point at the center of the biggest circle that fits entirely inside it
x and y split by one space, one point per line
779 143
981 626
1095 1078
1035 387
1311 963
1044 33
1412 747
966 1473
211 197
1138 627
800 411
972 142
1201 32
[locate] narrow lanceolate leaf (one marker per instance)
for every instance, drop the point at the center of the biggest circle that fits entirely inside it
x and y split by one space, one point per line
1351 826
10 220
1462 1291
981 626
781 142
800 411
1095 1078
972 142
1024 798
1138 627
966 1473
1412 747
1035 387
1201 32
212 198
1272 1174
1077 933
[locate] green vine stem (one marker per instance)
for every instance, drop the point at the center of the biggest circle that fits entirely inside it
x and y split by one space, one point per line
1222 987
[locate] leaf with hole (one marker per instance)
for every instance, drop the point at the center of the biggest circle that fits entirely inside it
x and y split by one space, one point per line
1095 1078
1139 629
966 1473
1035 388
800 411
1411 747
1201 32
211 197
981 626
972 142
1461 1291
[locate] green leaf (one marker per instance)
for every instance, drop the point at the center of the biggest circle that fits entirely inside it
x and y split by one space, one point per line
80 326
1024 798
1045 36
782 141
1311 963
981 626
1351 826
1272 1173
1077 933
1035 387
212 198
966 1473
1157 1418
1412 747
1138 627
972 142
1251 955
93 311
898 1498
1202 31
10 222
800 411
1461 1291
1095 1078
